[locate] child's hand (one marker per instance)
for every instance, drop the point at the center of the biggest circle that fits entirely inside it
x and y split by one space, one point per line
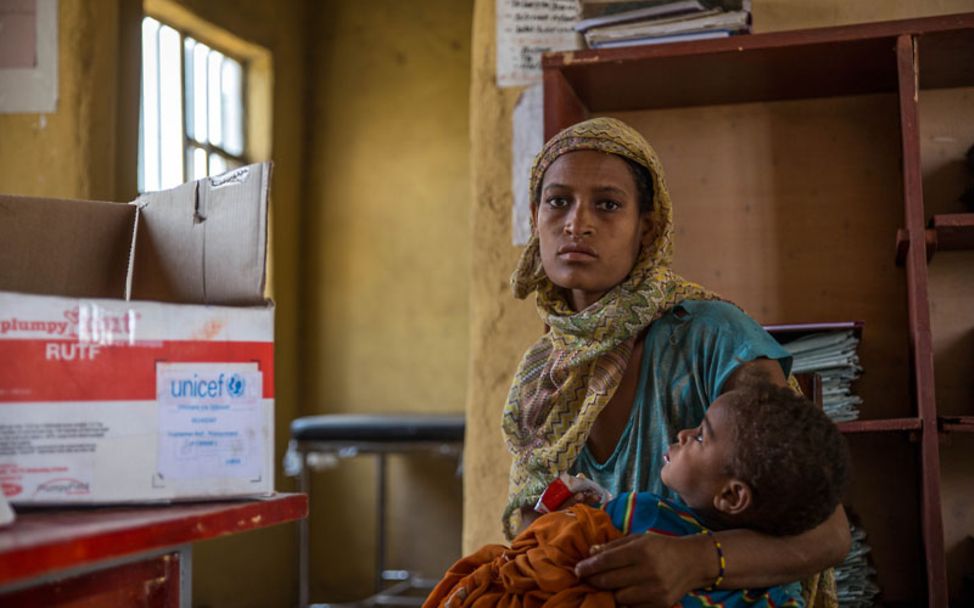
566 491
585 497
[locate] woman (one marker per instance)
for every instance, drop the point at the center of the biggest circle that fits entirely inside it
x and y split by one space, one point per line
634 353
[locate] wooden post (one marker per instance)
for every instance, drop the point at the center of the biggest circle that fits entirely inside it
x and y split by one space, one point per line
921 349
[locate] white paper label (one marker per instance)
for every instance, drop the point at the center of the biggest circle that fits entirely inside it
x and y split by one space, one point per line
210 420
528 28
526 141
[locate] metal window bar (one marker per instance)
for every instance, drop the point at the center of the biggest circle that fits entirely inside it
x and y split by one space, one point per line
158 124
192 142
158 116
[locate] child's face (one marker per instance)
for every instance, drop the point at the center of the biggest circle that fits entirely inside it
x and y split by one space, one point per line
696 465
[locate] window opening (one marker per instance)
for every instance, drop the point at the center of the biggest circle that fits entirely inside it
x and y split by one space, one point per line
192 111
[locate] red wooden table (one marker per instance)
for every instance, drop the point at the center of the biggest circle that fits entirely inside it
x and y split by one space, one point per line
122 556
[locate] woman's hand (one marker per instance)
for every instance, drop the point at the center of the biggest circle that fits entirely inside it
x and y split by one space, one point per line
650 569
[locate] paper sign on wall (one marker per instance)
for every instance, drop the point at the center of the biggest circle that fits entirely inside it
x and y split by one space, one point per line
528 28
28 56
527 140
210 420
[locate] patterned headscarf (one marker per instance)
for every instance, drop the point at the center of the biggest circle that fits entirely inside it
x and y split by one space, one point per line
566 378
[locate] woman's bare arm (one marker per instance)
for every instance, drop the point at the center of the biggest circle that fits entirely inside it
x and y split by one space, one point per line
758 560
656 570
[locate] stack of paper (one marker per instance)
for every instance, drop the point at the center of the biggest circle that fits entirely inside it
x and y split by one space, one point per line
834 357
854 577
614 23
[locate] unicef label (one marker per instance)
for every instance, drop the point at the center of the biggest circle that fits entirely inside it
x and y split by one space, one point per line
211 422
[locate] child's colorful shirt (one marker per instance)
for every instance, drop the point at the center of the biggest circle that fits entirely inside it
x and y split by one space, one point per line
638 512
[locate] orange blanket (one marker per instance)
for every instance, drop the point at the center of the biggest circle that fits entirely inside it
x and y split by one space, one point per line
537 569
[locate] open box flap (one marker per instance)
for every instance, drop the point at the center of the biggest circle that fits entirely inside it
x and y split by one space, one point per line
204 242
61 247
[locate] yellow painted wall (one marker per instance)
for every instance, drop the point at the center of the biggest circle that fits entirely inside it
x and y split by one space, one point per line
387 252
71 152
503 327
87 149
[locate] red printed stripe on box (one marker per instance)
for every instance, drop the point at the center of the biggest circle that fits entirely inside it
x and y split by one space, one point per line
65 370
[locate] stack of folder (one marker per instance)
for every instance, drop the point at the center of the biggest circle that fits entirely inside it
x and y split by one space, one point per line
854 577
615 23
834 357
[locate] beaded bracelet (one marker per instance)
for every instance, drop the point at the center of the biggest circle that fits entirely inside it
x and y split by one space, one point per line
720 559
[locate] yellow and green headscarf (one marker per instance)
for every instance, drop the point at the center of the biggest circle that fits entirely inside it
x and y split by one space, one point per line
566 378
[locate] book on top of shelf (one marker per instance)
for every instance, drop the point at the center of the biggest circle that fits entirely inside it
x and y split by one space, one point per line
680 18
604 12
647 11
684 37
732 22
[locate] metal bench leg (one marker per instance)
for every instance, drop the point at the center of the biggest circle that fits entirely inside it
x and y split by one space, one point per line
380 524
304 535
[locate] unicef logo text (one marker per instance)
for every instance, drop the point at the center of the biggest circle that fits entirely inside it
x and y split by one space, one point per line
209 388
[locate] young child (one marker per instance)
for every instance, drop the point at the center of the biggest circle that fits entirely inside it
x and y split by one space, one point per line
763 458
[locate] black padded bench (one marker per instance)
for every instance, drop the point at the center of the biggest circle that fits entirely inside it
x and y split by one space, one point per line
331 437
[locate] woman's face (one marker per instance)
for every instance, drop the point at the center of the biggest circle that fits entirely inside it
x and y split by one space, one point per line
589 226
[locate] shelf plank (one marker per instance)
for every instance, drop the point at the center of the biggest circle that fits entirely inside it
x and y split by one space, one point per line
801 64
962 424
955 231
884 425
947 232
41 541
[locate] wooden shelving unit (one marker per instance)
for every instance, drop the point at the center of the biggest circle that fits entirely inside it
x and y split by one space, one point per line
896 58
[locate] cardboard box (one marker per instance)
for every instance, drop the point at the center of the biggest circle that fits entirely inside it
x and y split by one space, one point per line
136 345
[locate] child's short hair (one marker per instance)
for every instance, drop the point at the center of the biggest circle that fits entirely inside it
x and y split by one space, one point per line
791 455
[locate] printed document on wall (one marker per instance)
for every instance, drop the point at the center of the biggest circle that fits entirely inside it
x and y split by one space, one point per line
210 420
527 140
528 28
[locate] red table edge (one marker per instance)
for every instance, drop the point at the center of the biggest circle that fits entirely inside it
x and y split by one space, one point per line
179 524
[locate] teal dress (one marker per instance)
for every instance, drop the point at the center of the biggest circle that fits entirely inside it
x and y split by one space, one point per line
636 513
689 353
